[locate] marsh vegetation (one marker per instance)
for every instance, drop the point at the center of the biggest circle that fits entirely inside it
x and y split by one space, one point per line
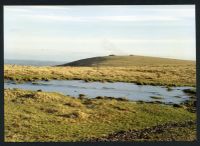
50 116
45 116
169 75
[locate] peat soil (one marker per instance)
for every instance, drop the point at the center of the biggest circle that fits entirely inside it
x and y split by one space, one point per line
144 134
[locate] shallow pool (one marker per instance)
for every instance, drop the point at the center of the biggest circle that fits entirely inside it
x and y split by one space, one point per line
118 89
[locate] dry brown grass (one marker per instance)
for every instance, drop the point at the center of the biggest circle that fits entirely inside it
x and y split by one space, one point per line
170 75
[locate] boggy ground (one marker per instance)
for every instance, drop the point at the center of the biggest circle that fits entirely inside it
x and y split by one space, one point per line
159 74
163 132
44 116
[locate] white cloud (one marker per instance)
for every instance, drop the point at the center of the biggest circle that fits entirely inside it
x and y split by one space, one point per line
36 33
137 18
142 18
59 18
55 13
44 42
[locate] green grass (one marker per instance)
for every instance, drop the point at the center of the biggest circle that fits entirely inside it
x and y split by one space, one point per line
43 116
128 61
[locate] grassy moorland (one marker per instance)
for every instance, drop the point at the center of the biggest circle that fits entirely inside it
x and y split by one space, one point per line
44 116
136 69
128 61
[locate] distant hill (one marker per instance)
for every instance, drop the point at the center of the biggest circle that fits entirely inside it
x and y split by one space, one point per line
131 60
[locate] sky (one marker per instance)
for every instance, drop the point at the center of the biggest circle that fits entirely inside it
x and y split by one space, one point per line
68 33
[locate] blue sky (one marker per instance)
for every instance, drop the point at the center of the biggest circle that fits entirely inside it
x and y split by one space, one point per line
68 33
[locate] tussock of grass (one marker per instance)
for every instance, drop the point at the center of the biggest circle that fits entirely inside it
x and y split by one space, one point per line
159 74
190 91
45 116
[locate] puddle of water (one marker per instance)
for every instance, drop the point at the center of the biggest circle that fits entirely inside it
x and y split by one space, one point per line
118 89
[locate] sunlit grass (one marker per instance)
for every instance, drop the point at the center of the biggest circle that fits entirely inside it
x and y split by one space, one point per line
170 75
44 116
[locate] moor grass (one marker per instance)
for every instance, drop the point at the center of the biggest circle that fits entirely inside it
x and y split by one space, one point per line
36 116
47 116
128 61
161 74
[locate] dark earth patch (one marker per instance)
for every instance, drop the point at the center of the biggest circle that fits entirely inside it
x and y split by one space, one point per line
148 134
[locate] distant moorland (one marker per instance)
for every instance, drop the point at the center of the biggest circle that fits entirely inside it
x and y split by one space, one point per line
127 61
135 69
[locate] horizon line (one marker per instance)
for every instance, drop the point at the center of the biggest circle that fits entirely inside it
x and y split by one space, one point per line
101 56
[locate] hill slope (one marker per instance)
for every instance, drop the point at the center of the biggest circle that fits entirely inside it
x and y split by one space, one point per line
126 61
